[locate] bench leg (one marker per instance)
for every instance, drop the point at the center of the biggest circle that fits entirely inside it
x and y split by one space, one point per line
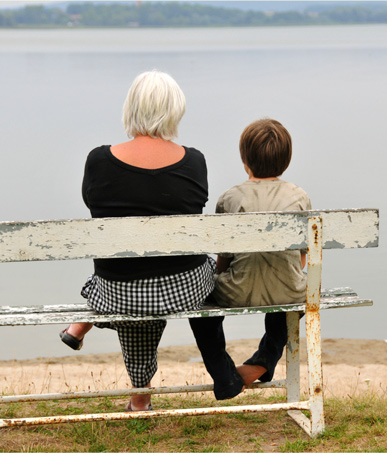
313 329
313 338
293 357
293 369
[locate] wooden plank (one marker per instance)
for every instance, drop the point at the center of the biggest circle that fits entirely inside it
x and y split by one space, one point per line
179 235
82 313
328 294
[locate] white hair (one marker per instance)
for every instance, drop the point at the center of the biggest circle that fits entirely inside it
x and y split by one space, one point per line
154 106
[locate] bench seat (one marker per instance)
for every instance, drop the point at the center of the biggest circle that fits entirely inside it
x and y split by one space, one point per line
65 314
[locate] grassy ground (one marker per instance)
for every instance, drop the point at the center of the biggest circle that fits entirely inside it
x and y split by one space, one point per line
353 424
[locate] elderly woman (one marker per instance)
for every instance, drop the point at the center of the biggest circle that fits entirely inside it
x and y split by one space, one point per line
149 176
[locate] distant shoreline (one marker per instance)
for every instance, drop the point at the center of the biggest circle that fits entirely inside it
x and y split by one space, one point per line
180 14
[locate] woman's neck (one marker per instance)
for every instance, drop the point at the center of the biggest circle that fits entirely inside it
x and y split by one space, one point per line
147 140
147 152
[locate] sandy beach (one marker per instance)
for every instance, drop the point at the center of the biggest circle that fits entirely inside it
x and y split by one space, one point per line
350 367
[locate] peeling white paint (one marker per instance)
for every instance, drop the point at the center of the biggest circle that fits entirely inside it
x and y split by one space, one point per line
64 314
7 423
177 235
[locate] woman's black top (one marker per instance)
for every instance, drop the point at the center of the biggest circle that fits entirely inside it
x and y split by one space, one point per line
112 188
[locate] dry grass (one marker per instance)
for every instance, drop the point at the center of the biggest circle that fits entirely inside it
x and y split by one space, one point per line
353 424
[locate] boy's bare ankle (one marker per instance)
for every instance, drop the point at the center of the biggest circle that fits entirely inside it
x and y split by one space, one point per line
250 373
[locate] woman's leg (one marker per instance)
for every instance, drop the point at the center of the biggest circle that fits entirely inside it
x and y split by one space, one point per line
211 342
139 342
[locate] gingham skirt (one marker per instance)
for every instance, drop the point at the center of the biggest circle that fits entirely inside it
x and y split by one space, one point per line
157 296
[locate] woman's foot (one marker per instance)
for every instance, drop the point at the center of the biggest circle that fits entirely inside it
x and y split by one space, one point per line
73 335
140 402
250 373
130 408
70 340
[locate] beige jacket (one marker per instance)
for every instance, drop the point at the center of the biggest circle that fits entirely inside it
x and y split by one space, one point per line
269 278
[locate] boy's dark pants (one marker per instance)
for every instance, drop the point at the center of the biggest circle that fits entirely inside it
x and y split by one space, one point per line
210 339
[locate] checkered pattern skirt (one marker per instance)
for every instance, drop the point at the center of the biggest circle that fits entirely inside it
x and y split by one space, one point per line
150 296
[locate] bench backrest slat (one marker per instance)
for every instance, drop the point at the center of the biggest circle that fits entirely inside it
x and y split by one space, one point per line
179 235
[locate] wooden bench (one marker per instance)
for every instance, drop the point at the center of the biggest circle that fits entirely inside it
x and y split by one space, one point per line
176 235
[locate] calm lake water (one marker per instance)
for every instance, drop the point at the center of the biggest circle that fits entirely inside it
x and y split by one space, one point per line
61 94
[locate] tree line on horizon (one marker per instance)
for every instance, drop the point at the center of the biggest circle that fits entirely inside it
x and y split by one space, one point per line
174 14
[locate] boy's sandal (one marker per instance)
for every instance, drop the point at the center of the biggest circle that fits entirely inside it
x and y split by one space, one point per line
71 341
129 408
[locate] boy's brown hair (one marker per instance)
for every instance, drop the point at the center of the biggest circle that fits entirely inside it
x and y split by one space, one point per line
266 148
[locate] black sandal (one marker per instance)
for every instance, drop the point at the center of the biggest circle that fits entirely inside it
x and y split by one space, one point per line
71 341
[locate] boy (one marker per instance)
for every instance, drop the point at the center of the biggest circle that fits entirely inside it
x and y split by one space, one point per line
275 278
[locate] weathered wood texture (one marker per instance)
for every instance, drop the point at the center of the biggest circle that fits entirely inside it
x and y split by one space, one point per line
178 235
64 314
